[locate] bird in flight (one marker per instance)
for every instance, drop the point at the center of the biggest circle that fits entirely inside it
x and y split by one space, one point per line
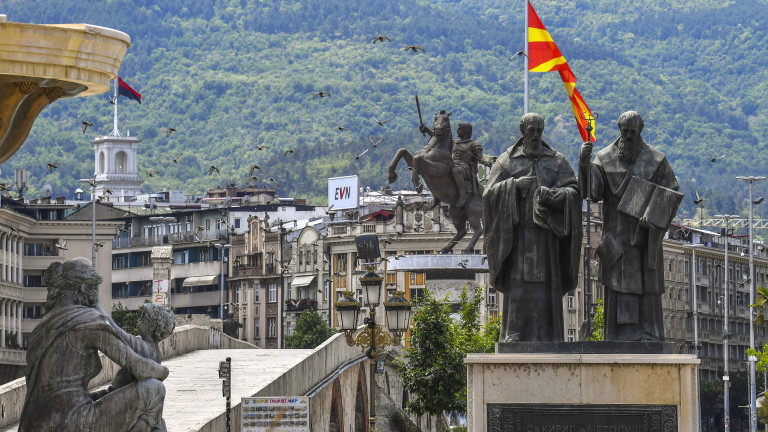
254 168
357 156
289 151
62 246
381 38
380 122
520 53
463 263
212 169
98 245
698 198
121 230
262 147
414 48
253 179
375 143
113 100
341 128
321 94
86 125
52 166
169 131
177 157
151 173
273 181
714 159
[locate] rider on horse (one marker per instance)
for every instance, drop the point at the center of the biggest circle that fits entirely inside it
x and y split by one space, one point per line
466 155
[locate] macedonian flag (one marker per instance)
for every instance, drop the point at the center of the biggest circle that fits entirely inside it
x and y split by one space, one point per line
545 56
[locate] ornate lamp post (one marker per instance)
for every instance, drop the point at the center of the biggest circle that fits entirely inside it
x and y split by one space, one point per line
373 337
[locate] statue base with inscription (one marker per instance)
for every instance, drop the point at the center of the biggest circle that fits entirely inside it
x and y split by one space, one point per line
578 392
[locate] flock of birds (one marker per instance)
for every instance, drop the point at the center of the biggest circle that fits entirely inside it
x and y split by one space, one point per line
253 178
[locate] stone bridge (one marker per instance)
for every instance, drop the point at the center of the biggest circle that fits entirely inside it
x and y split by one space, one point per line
334 377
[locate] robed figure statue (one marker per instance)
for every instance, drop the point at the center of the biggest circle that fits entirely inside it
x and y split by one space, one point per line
532 212
638 190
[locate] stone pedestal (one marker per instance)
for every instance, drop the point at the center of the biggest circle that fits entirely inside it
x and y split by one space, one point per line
575 392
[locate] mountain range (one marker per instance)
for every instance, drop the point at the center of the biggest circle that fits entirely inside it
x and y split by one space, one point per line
240 81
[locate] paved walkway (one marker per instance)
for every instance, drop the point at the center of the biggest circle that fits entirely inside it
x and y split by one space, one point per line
193 388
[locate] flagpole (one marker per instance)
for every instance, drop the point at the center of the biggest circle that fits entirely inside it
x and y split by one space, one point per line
115 131
525 75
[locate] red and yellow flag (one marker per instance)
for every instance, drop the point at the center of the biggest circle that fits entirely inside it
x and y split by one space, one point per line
545 56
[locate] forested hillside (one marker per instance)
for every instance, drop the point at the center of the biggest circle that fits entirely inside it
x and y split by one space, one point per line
234 75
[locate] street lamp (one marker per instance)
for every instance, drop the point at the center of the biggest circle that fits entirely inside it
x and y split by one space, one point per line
92 183
726 332
221 247
752 359
695 314
373 337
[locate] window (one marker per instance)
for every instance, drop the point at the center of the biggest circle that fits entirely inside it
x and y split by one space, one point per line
256 328
492 297
237 222
272 327
257 293
207 224
32 312
33 280
571 335
272 296
571 302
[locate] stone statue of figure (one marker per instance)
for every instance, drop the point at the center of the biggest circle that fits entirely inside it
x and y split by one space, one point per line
155 324
63 357
638 189
466 154
532 211
232 326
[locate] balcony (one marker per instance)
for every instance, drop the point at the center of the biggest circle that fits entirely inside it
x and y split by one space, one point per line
247 271
174 238
300 305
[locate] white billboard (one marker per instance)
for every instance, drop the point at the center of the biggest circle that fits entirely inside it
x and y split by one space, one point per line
343 192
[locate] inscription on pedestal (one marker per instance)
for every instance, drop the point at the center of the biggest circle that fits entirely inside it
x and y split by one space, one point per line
581 418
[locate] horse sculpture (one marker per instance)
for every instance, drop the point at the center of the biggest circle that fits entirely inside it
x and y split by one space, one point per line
433 164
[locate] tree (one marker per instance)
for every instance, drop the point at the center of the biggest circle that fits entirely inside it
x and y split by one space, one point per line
126 318
311 330
598 322
432 367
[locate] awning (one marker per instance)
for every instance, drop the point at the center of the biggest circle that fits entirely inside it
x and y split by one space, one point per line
300 281
201 280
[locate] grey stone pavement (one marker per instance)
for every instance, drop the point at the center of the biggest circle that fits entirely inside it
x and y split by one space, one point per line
193 388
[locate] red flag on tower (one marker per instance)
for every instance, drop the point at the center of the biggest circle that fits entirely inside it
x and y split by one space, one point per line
123 89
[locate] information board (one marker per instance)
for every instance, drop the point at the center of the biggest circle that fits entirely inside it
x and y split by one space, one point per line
275 414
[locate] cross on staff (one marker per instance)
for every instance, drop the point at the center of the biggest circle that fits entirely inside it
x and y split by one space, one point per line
590 119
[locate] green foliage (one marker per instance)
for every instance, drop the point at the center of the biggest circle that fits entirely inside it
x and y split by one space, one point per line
311 331
470 335
760 303
432 367
126 318
232 75
598 322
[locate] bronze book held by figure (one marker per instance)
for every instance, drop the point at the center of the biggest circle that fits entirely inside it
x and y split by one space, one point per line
656 203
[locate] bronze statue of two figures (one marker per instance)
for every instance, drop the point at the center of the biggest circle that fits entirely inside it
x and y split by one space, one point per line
531 211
